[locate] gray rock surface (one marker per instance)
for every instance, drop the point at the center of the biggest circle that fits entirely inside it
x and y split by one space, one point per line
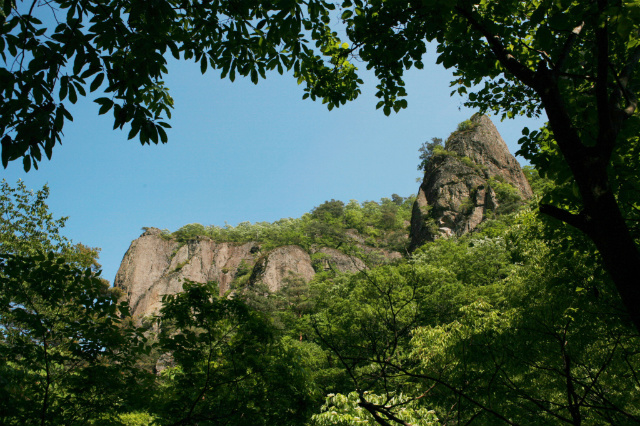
454 196
154 266
336 260
280 263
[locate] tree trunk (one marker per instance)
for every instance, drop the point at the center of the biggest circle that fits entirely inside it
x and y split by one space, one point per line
611 236
600 218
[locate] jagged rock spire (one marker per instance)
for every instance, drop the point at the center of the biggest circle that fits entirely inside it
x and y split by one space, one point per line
457 192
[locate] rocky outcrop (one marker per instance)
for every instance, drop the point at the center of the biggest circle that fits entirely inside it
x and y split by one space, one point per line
155 265
460 189
332 259
280 263
457 192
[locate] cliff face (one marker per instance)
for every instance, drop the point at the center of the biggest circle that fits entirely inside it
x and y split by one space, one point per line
458 190
280 263
464 182
154 266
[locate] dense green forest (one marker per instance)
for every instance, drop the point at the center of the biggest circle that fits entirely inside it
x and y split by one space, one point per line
532 319
510 324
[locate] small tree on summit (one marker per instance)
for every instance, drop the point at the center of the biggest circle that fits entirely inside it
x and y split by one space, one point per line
426 152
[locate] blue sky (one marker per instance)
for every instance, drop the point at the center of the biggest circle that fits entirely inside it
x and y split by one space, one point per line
241 152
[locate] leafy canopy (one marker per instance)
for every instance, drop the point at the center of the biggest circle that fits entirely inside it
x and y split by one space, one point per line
55 52
67 353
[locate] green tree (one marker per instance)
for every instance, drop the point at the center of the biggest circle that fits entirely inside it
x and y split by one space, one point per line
522 328
188 232
67 356
576 61
526 350
295 303
328 210
28 228
67 352
426 152
228 366
57 51
366 318
371 409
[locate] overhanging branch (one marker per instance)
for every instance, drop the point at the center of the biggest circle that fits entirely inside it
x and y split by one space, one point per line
505 57
564 54
576 220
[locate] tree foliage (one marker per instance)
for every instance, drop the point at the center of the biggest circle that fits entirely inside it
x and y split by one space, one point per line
56 52
426 152
70 355
67 353
575 61
27 227
510 324
226 364
381 223
521 328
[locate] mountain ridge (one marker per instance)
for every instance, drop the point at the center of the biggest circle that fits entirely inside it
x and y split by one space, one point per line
463 185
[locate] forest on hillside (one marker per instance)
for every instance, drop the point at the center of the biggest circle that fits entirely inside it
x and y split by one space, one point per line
532 319
509 324
380 224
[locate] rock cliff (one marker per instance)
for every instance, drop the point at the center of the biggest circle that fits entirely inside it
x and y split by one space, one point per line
155 265
465 182
469 179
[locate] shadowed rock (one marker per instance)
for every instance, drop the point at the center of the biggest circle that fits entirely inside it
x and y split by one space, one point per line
456 193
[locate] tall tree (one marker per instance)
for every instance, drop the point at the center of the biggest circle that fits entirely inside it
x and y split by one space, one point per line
228 367
67 355
576 61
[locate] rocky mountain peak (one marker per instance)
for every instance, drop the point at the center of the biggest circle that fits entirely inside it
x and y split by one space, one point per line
473 176
470 178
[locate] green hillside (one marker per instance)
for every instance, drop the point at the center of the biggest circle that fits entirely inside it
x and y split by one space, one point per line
509 324
382 224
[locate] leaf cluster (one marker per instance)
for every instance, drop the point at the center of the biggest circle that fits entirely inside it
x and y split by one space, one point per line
56 52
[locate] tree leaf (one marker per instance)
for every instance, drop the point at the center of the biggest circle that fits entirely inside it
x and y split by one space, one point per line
96 82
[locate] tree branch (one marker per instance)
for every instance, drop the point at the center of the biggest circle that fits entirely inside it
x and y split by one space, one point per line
622 82
514 66
374 409
559 65
606 133
459 393
576 220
